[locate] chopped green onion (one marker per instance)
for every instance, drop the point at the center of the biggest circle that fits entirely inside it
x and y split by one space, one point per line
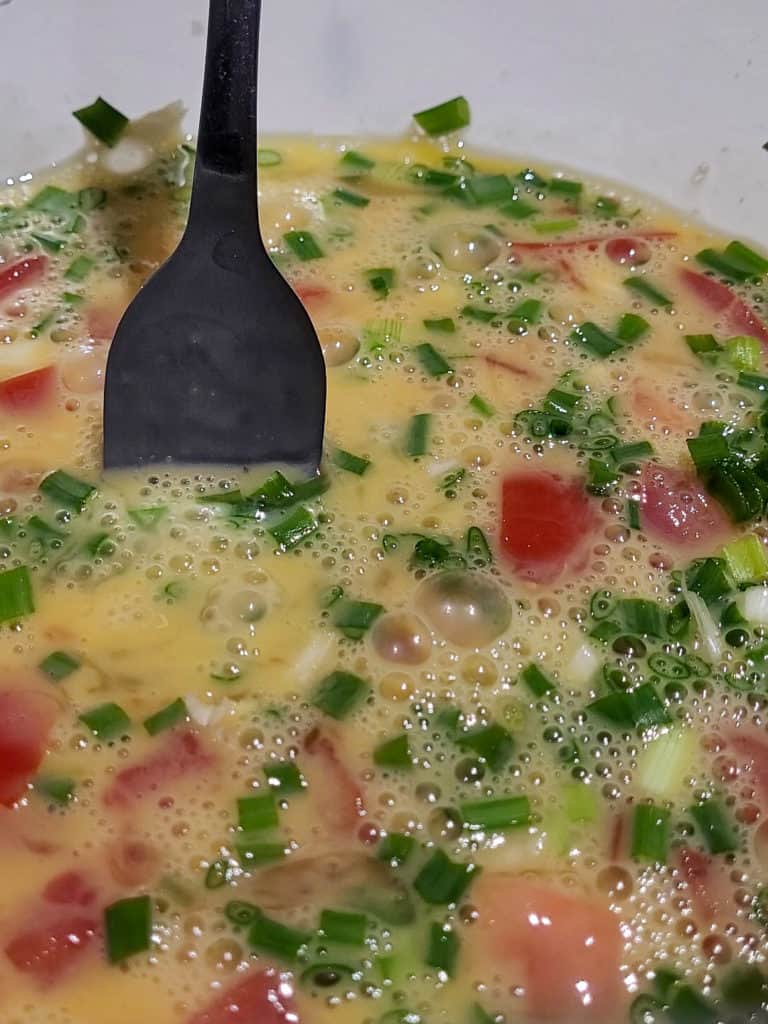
103 121
663 765
257 812
58 665
529 310
79 268
43 531
381 280
100 545
709 578
16 597
218 874
502 813
444 325
445 117
555 227
631 327
431 360
633 514
442 949
640 709
517 209
343 195
91 198
641 616
626 453
483 316
601 476
479 404
269 936
52 199
128 927
529 177
747 559
442 880
48 242
339 693
715 826
422 175
395 848
492 742
417 435
753 381
580 802
66 490
167 717
539 685
148 518
490 188
394 753
607 206
303 245
687 1006
343 927
275 492
702 344
743 353
253 851
294 528
355 618
478 549
597 341
727 267
353 164
72 298
643 287
650 833
57 788
569 189
744 988
285 777
351 463
106 720
707 449
241 913
741 255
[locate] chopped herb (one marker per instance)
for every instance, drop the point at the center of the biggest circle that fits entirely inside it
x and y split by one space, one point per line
607 206
597 341
529 310
294 528
417 435
395 848
89 199
16 597
631 327
67 491
483 316
500 814
443 881
269 936
128 927
48 242
490 188
303 245
639 709
167 717
106 721
444 325
702 344
343 195
59 789
431 360
103 121
394 753
715 826
562 186
492 742
643 287
255 813
352 164
537 682
650 833
478 549
284 777
58 665
79 268
445 117
355 618
343 927
339 693
517 209
148 518
479 404
381 280
54 200
442 949
623 454
252 851
351 463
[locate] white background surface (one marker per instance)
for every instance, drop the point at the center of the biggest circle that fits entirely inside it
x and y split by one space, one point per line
644 93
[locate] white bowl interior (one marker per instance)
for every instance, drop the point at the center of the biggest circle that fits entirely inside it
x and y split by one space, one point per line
667 97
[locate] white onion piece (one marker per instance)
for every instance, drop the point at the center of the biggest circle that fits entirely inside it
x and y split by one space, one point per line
207 714
582 666
708 630
441 466
309 663
753 603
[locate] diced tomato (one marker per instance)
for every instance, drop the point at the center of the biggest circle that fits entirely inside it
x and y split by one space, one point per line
708 886
655 409
568 272
26 718
29 392
262 997
339 794
720 298
102 322
22 274
568 947
48 951
591 244
627 250
72 888
676 507
546 522
751 749
132 862
312 295
180 753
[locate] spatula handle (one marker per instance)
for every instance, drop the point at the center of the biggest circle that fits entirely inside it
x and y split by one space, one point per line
226 144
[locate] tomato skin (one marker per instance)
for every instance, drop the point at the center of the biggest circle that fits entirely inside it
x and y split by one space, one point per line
720 298
546 521
262 997
339 796
28 392
181 753
569 947
48 952
676 508
627 250
312 295
22 274
26 718
592 244
70 887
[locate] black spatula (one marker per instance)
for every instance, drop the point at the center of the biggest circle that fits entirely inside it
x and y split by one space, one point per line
216 360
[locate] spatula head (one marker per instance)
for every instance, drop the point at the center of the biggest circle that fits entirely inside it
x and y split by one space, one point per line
215 361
